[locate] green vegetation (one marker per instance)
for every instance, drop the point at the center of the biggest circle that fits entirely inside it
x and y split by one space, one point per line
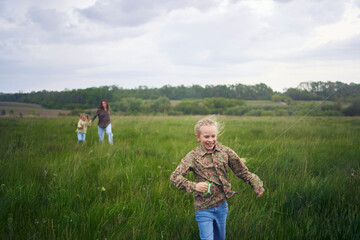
132 98
91 97
323 90
224 106
354 108
53 188
260 99
276 98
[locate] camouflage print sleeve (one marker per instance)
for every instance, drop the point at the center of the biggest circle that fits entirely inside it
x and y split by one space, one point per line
237 165
178 179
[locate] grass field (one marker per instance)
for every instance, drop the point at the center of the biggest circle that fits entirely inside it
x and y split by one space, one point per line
54 188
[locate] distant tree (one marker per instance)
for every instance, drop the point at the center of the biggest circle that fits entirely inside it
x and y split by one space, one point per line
131 105
219 105
298 94
324 90
276 98
161 105
288 100
262 92
192 107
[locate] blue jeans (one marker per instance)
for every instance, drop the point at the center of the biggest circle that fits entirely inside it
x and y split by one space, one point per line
212 222
81 136
108 132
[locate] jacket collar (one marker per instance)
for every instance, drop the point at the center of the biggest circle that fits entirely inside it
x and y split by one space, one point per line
202 151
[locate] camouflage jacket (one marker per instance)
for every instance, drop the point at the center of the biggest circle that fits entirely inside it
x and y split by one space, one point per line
213 167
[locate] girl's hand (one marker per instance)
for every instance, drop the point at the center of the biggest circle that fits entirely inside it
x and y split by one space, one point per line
201 187
259 191
90 122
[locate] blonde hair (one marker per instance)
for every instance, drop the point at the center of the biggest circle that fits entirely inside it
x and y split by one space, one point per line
208 121
83 114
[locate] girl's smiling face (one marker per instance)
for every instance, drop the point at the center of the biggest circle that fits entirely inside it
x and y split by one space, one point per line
83 117
207 137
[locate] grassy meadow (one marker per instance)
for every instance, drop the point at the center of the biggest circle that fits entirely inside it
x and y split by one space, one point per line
54 188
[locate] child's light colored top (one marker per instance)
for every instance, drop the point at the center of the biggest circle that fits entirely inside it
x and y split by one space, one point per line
213 167
82 126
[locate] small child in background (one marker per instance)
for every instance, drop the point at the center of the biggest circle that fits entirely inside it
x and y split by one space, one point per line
209 162
82 127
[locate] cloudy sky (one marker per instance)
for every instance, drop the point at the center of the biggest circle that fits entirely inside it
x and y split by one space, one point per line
68 44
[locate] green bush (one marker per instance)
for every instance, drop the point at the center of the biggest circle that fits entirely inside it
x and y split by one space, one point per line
161 105
353 109
192 107
281 112
219 105
254 112
267 113
331 107
129 106
236 111
288 100
276 98
175 113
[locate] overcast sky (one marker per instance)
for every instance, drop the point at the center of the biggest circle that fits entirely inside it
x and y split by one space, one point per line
68 44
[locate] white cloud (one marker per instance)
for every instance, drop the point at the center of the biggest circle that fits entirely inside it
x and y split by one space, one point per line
347 27
49 19
77 44
136 12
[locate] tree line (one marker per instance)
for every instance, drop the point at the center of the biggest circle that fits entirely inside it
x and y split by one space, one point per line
226 106
127 98
324 90
90 97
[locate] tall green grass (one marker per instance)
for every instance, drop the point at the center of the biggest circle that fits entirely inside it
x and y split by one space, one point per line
54 188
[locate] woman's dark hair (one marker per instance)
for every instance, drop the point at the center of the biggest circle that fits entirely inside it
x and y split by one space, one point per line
101 106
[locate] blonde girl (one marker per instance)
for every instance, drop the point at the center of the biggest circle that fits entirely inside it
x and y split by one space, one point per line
82 127
209 162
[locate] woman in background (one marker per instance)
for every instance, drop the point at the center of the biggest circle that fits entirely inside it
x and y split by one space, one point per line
104 124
